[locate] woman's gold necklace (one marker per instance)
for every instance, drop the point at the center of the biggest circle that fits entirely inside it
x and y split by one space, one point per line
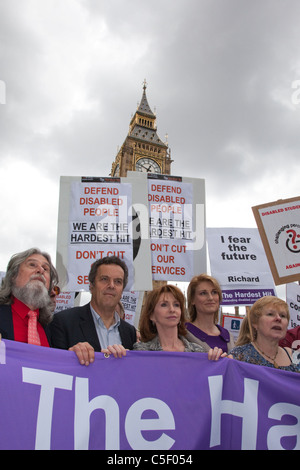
269 357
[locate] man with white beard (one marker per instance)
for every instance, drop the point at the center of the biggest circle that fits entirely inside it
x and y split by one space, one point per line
25 298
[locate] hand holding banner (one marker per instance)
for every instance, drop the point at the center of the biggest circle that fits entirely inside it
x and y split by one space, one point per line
49 401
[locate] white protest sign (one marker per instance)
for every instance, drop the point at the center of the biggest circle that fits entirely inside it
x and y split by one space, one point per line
176 226
171 225
238 261
130 302
64 300
98 227
232 324
279 227
95 220
293 301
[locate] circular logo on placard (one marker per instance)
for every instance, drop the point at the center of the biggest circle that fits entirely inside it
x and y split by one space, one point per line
293 241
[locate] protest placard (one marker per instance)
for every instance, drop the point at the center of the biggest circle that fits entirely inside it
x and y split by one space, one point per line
131 302
176 226
64 300
232 323
293 301
278 223
238 261
96 219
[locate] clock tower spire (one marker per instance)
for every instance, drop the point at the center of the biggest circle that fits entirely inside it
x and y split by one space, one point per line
142 149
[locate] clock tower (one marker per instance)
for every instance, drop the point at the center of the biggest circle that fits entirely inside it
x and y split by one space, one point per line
142 149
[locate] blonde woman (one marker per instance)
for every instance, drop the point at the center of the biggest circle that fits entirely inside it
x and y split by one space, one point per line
261 331
204 296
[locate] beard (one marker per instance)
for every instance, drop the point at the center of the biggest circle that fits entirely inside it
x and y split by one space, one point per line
34 294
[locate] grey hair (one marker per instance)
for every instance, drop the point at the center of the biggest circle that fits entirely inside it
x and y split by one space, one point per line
12 272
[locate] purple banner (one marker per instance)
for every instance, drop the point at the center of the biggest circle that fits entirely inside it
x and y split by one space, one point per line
145 401
244 296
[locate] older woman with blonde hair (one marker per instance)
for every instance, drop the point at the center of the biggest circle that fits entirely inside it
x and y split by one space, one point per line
204 296
162 324
261 331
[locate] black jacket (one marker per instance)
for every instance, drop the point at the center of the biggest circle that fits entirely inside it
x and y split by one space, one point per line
76 325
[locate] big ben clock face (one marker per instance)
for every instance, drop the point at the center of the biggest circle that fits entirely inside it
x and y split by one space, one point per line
147 165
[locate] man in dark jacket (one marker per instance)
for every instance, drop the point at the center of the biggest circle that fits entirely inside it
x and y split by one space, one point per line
96 326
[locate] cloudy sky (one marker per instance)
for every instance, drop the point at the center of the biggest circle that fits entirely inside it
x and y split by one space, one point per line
220 75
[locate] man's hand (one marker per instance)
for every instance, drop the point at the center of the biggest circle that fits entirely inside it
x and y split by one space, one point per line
117 350
85 353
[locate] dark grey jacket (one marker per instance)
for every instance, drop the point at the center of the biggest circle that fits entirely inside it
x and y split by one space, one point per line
76 325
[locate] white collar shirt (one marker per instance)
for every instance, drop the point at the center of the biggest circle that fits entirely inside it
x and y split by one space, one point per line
106 336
